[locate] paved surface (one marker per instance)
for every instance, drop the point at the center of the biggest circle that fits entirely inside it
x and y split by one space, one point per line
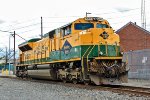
14 89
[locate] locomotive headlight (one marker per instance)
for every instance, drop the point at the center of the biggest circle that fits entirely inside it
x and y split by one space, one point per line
83 32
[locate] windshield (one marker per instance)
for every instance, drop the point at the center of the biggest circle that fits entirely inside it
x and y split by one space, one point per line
83 26
102 26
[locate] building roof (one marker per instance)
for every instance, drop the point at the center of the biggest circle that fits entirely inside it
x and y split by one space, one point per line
131 23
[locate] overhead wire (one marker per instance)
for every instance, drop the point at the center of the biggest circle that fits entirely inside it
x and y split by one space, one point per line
62 17
6 31
29 30
24 27
55 22
22 22
117 11
64 22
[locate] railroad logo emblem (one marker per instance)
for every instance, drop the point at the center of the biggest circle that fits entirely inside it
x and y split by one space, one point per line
104 35
66 47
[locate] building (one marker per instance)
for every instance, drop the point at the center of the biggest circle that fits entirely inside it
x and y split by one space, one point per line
133 37
135 42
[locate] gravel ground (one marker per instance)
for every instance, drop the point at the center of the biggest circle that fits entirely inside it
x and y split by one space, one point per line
13 89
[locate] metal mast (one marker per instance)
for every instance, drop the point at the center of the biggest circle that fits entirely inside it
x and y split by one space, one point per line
87 14
143 14
41 27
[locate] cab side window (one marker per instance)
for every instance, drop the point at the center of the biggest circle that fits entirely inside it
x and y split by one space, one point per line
66 30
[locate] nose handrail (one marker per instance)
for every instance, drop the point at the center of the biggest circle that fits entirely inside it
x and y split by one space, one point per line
88 55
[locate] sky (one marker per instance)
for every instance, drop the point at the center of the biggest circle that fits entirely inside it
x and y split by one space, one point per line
23 16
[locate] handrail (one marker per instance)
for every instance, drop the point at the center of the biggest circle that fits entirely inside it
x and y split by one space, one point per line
86 51
98 49
90 51
116 48
106 46
83 56
88 55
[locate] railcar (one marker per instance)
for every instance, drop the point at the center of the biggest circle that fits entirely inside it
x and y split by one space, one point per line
85 50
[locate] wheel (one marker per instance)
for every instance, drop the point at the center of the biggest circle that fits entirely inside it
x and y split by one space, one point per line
74 81
86 82
69 77
64 81
60 77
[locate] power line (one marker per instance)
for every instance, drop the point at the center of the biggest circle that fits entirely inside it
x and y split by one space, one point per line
117 12
30 26
6 31
16 23
24 26
60 22
120 16
62 17
55 22
26 21
29 30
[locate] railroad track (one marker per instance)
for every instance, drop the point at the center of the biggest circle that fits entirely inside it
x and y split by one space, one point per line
121 89
129 90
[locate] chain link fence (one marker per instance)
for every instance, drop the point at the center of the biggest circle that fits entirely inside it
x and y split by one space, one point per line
138 63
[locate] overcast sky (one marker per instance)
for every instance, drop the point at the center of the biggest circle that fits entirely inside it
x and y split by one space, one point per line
23 16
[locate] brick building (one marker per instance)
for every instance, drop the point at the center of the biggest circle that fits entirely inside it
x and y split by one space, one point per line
133 37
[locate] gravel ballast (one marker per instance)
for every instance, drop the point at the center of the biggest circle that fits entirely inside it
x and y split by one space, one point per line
14 89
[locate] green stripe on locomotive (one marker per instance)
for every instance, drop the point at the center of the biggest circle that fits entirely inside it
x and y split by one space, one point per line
111 50
78 52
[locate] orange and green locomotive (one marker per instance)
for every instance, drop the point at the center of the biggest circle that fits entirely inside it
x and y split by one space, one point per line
86 50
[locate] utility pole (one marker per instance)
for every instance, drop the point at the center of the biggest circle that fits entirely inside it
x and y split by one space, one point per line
6 58
9 52
143 14
41 27
143 22
14 49
87 13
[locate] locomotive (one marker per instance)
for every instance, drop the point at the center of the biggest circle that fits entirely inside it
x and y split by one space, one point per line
86 50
